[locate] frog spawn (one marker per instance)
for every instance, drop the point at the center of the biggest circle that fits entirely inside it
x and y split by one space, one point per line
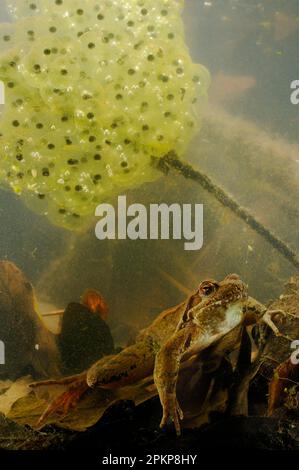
92 94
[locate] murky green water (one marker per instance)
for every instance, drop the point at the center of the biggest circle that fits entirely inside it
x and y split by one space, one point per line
248 144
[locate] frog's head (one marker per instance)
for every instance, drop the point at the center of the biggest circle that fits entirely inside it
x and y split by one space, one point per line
231 289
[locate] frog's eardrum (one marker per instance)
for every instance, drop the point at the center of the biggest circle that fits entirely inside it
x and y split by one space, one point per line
93 91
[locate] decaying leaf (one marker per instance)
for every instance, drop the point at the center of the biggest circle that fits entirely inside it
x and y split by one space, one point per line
285 383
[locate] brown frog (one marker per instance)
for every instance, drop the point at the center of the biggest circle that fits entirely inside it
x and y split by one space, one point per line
208 315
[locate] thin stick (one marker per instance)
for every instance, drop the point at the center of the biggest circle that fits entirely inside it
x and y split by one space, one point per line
54 314
175 282
171 161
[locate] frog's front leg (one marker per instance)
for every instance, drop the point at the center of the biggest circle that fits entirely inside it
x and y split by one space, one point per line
255 312
166 371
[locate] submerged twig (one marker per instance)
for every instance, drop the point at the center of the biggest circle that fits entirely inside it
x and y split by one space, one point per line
56 313
171 161
175 282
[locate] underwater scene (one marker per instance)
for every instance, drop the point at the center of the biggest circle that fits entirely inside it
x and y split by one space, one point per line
149 188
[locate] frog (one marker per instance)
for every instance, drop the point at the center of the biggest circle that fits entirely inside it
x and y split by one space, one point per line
210 313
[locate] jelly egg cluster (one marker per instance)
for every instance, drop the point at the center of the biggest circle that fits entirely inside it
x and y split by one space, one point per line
94 90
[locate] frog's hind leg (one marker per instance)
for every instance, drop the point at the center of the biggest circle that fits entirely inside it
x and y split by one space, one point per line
65 402
76 388
64 381
132 364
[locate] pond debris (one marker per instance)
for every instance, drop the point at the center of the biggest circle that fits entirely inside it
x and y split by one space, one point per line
22 329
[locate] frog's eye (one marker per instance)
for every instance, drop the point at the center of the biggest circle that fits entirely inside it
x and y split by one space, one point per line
208 287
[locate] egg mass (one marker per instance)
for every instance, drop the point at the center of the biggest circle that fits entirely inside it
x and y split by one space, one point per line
93 91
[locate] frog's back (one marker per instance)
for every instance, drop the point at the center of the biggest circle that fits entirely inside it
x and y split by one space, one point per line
164 325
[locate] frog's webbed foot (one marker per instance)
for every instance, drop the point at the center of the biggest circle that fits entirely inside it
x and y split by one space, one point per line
172 413
271 315
64 403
